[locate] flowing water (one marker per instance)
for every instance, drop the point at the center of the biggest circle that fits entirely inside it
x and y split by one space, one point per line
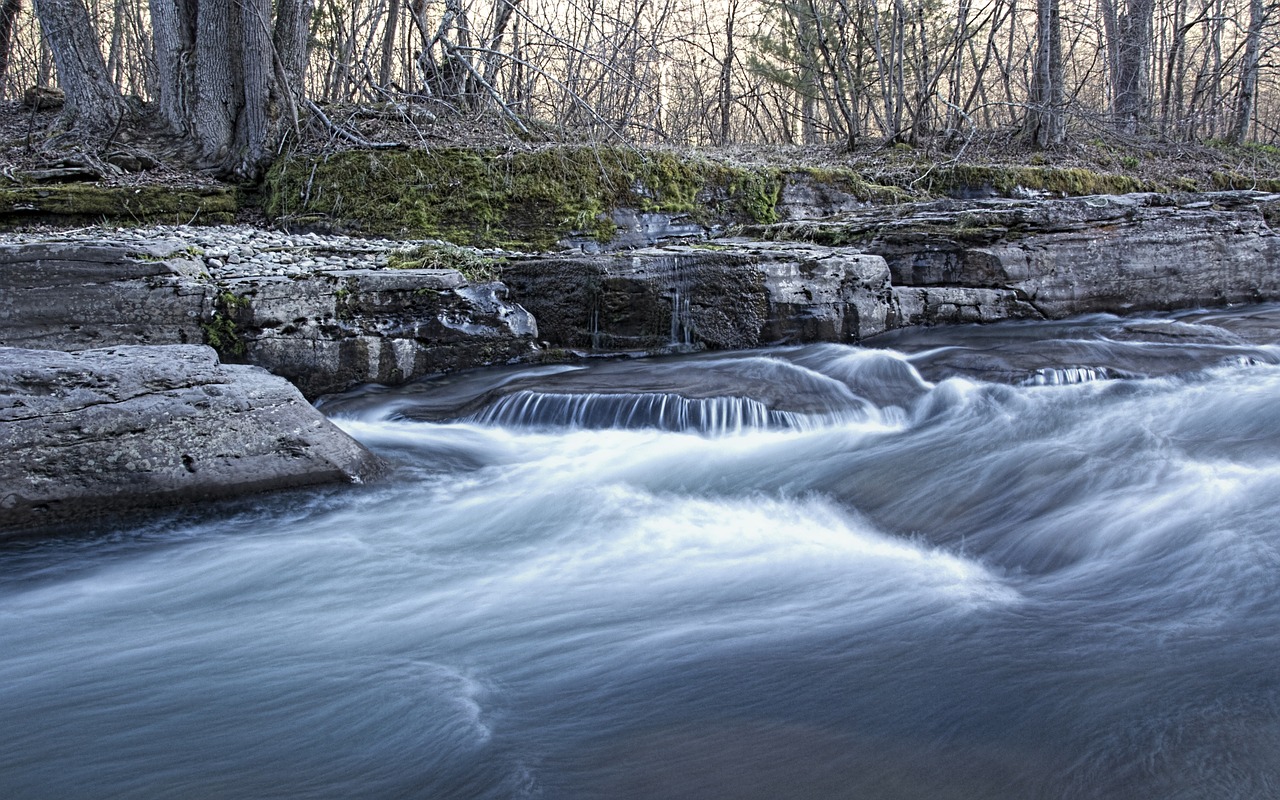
1016 561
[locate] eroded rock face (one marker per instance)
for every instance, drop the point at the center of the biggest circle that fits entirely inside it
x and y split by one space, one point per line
1072 256
73 295
124 429
738 294
330 331
325 326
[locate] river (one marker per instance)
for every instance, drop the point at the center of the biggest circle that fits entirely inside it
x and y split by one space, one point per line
1031 560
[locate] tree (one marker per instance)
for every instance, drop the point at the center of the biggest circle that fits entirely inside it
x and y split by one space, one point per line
1046 121
94 107
1128 53
9 11
228 76
1249 73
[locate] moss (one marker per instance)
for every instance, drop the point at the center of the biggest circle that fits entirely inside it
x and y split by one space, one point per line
88 202
854 184
474 266
221 331
1223 181
1009 180
523 200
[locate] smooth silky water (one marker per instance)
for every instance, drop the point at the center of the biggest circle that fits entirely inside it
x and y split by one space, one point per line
1017 561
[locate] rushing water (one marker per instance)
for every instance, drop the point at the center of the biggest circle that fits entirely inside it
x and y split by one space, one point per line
1018 561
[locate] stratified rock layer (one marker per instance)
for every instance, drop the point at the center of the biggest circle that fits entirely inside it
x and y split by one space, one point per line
325 323
1115 253
124 429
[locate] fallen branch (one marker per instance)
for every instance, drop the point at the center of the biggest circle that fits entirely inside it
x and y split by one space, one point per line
354 138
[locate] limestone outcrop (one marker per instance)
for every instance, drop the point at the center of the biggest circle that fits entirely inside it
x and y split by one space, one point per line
131 428
736 294
326 323
1060 257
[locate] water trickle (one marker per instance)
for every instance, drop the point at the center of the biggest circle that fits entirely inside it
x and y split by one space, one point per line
681 310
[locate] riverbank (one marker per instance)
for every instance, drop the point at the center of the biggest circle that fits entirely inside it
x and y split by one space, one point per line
647 255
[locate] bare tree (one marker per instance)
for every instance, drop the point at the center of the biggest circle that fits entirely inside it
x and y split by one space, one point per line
94 106
1129 49
9 11
1046 120
1249 72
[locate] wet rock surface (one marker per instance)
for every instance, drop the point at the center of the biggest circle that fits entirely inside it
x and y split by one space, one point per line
125 429
736 294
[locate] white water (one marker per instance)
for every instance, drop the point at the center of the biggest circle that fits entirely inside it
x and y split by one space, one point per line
828 575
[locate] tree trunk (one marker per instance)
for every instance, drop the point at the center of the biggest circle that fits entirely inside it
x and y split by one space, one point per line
293 20
389 44
9 11
724 86
228 76
1249 73
213 114
94 107
1046 122
172 34
255 71
1132 52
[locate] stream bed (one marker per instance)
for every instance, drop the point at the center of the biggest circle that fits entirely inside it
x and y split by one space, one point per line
1028 560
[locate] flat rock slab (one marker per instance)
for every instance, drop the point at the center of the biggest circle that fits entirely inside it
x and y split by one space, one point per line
132 428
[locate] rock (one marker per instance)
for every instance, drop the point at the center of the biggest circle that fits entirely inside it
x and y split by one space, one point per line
41 98
330 331
326 331
1072 256
79 295
127 429
733 295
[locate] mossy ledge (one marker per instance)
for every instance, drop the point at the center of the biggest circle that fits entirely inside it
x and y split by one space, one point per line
537 200
520 200
89 203
1006 181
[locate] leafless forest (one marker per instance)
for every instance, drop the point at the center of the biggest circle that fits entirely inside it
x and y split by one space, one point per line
676 71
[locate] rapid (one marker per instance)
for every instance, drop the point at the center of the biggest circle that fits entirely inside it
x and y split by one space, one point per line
1028 560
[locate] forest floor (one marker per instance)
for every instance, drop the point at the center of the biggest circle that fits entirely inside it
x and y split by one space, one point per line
25 136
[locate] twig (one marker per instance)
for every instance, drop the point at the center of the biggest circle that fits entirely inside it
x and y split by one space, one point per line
354 138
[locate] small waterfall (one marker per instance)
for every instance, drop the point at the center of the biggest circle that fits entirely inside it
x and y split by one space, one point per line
1064 376
658 410
681 318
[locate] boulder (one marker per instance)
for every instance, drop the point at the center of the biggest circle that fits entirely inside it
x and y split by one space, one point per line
131 428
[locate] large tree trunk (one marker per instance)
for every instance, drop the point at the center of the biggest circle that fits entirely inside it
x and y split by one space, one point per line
1249 73
1046 121
172 31
9 11
94 107
1132 51
228 75
218 80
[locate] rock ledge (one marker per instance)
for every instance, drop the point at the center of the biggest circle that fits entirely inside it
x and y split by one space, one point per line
131 428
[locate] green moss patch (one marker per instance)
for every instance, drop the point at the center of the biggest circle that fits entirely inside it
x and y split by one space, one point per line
1007 181
475 266
522 200
83 203
1223 181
